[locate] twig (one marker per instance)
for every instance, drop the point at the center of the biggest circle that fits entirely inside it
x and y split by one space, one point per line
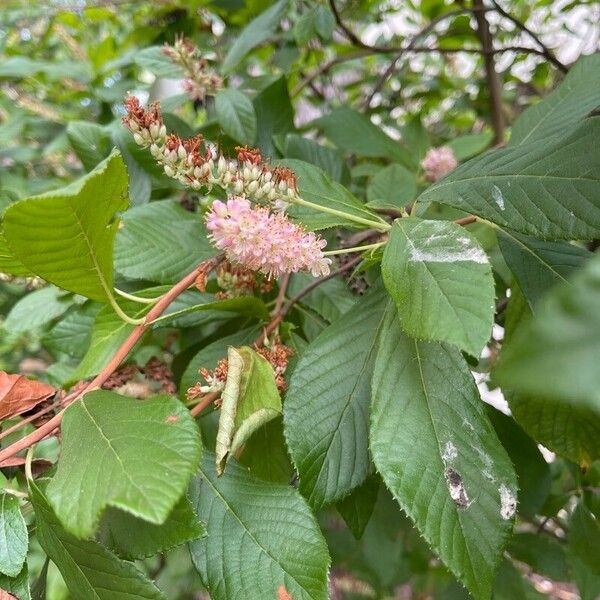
47 428
423 32
285 280
30 418
276 319
546 52
493 81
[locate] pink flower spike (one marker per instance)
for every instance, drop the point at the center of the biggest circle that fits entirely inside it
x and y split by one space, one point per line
438 162
260 240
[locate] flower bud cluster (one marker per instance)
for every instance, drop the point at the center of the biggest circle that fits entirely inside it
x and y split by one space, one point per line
195 164
438 162
31 283
200 80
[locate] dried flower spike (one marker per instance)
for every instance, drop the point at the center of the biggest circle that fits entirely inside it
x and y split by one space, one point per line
200 80
438 162
264 241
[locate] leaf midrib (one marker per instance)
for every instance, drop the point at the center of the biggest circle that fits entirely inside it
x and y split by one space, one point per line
250 534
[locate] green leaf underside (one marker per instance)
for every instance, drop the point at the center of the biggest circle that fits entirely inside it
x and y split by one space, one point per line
13 536
160 242
547 189
72 334
66 237
261 536
134 455
250 399
133 538
9 263
317 187
356 508
236 115
37 309
327 404
576 97
88 568
441 281
438 454
539 265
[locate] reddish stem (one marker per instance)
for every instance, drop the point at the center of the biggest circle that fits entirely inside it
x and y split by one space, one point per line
122 352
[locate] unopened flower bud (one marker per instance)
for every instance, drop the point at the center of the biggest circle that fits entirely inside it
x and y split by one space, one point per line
181 153
139 140
169 171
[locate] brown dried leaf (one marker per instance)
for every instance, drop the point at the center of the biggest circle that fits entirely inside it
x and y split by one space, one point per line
19 394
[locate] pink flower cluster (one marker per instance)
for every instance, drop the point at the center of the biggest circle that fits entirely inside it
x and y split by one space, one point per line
264 241
438 162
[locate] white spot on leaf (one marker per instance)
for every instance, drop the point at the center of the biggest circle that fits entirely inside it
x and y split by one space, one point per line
450 452
498 197
508 503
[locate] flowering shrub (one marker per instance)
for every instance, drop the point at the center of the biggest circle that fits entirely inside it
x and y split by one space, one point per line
284 320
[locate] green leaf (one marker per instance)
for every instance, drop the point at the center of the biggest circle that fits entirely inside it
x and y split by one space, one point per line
88 568
113 447
255 33
356 508
236 115
331 299
327 159
13 536
265 454
37 308
392 187
275 113
160 242
438 454
17 586
317 187
9 263
563 337
546 188
441 281
261 536
545 555
353 132
584 551
90 141
133 538
327 404
539 265
72 334
250 399
66 237
324 22
180 315
304 28
467 146
574 99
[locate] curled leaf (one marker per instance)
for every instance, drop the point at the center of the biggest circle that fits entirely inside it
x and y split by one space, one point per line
250 399
19 394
